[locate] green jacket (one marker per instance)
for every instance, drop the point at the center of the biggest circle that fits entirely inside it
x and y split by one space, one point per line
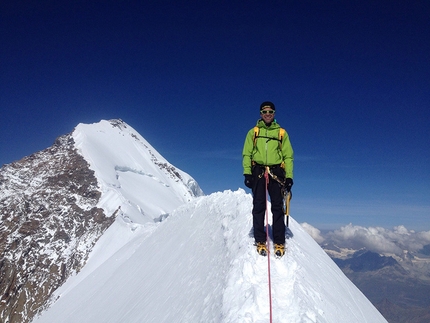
266 151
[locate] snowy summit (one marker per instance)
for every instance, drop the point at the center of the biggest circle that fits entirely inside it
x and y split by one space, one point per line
174 255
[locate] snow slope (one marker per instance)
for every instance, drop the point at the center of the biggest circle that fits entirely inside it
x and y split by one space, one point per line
197 264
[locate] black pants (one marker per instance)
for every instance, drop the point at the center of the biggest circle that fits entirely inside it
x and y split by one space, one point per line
259 204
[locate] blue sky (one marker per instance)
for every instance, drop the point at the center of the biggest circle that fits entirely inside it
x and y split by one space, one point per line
350 80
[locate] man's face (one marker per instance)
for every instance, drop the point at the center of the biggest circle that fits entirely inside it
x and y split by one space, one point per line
267 114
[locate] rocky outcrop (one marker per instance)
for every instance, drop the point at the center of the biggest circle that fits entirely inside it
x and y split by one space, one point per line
49 224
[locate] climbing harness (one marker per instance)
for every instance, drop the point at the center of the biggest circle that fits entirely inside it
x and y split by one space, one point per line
287 195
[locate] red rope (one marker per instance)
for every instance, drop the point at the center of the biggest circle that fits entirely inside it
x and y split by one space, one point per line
266 176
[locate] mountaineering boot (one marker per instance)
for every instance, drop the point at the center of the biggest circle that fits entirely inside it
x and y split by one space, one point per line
261 248
279 250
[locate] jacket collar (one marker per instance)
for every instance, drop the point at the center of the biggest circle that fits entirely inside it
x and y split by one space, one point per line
273 125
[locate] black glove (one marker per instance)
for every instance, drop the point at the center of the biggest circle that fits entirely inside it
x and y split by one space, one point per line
249 181
288 184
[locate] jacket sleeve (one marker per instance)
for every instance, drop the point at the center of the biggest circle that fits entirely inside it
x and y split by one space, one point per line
248 147
288 156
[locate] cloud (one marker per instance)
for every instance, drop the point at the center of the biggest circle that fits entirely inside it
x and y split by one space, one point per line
313 232
379 239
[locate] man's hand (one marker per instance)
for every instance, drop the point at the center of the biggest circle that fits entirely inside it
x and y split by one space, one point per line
249 181
288 184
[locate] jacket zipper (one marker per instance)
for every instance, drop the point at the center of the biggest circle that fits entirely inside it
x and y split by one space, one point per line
267 141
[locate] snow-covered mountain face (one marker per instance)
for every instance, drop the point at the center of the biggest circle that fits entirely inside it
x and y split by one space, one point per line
55 204
49 223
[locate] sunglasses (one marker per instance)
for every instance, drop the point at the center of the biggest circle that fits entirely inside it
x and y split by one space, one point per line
267 111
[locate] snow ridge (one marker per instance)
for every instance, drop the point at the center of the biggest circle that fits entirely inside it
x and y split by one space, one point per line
200 265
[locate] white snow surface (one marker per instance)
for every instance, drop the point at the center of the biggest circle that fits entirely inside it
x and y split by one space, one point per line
198 262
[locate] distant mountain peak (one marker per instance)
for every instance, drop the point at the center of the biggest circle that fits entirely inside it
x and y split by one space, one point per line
56 203
365 260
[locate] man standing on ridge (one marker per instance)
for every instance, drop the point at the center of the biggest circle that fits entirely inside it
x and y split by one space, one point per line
268 149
